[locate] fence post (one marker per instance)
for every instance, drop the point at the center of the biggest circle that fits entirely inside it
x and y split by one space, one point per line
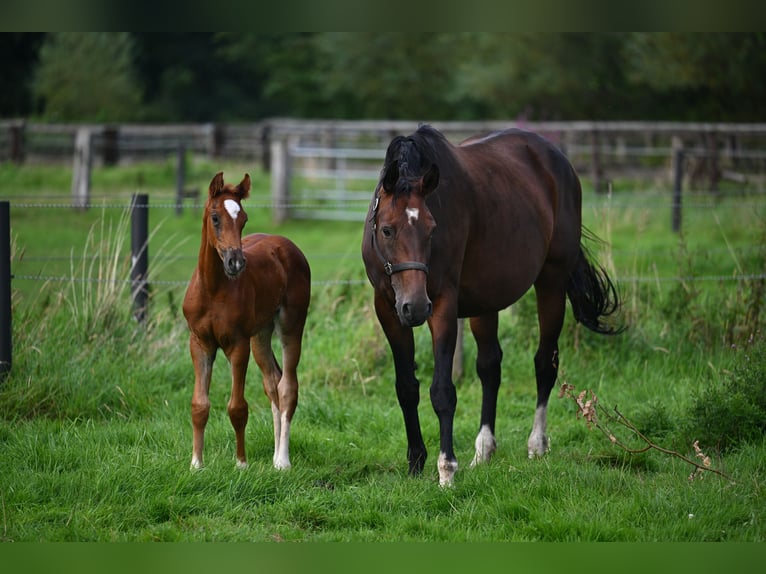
6 347
139 249
280 180
180 178
596 171
83 159
110 149
17 143
678 178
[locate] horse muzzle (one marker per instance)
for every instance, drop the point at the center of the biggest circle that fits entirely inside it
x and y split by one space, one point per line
233 262
415 312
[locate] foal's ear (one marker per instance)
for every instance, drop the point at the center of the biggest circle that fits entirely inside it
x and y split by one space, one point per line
430 179
244 187
216 184
391 176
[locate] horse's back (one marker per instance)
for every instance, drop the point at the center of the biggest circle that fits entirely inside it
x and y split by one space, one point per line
525 205
277 264
265 249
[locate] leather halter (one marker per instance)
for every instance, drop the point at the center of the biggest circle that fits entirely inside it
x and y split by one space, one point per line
388 267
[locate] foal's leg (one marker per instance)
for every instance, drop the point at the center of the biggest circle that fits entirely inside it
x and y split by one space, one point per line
402 344
202 359
237 406
551 306
489 357
290 335
260 345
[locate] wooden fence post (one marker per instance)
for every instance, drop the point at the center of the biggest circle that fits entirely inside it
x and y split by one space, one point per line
139 249
17 143
83 159
596 171
280 180
6 347
110 149
678 178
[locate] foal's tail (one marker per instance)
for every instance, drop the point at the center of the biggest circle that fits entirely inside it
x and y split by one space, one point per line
593 296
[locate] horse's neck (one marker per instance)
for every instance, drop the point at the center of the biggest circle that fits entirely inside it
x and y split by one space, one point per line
210 267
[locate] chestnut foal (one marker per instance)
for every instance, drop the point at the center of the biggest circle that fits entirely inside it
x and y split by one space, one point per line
241 291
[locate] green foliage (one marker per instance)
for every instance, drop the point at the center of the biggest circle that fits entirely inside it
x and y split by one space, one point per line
88 76
725 414
236 76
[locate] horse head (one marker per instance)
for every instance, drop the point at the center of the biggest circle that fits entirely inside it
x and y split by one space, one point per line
401 235
224 220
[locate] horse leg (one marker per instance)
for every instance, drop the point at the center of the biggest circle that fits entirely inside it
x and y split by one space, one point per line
260 344
402 344
551 306
488 360
202 359
237 406
443 324
291 338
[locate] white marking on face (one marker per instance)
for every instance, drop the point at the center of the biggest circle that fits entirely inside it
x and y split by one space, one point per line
232 207
412 214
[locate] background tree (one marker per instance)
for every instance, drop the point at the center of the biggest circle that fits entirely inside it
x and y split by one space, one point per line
87 77
171 77
18 58
701 76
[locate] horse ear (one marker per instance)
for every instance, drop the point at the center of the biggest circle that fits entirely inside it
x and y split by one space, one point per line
431 179
391 176
216 184
244 187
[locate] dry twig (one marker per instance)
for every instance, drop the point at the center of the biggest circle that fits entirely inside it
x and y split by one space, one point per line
589 408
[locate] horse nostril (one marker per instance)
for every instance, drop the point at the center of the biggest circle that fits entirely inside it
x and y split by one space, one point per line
406 311
429 308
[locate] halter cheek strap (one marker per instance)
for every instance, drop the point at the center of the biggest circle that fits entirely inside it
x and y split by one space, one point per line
388 267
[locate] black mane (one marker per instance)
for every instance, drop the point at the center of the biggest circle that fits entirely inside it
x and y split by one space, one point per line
412 155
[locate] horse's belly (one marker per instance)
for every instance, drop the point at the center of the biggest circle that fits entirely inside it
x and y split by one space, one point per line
490 297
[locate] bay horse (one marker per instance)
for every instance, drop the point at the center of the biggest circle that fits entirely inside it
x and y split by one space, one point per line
243 289
465 231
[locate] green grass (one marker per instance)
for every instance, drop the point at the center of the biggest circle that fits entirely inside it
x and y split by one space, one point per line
95 431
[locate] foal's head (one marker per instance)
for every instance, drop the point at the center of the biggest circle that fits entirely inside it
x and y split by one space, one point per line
224 219
402 236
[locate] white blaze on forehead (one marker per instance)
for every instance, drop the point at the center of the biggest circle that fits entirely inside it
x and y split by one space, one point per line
412 214
232 207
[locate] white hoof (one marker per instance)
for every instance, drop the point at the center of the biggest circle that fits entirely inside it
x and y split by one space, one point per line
447 470
538 445
485 444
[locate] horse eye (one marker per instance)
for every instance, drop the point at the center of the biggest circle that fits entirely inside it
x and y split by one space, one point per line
387 232
214 219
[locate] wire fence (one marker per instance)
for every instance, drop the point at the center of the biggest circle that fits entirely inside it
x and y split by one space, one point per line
625 200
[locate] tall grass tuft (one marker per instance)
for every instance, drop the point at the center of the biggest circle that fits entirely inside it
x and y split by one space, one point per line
726 414
78 338
96 291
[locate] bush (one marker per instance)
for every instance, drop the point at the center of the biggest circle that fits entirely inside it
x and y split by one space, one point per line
733 411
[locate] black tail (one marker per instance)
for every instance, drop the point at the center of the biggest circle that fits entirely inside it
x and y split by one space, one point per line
593 296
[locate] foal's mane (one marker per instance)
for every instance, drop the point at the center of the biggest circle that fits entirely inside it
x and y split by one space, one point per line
412 156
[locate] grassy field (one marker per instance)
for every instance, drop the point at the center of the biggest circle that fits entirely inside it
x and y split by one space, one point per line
95 433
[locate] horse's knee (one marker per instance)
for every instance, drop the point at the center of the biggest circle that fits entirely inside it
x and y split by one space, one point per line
200 411
288 396
488 367
238 414
444 399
